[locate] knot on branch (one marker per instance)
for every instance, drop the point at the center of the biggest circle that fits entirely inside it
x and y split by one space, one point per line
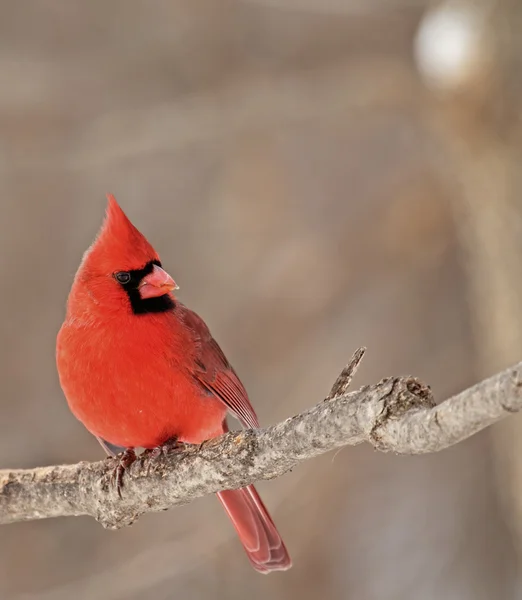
405 395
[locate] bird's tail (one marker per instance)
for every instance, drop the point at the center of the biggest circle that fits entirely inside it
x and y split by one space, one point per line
256 530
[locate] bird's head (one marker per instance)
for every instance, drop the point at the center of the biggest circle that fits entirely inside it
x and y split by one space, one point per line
122 268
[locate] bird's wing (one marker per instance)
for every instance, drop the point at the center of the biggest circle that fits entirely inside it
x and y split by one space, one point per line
214 372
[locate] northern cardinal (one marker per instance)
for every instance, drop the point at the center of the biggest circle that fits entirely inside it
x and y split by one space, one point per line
138 368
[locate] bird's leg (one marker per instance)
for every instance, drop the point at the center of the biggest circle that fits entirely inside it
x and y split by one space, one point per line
168 446
163 450
125 460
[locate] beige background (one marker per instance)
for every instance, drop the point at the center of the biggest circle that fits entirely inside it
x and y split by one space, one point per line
309 194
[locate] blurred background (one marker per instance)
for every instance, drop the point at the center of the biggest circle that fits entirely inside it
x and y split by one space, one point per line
317 175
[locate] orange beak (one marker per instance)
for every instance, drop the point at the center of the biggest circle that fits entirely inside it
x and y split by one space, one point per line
157 283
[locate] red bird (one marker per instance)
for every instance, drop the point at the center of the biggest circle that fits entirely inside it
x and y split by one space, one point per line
138 368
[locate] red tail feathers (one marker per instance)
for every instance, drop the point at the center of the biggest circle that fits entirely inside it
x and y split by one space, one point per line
256 530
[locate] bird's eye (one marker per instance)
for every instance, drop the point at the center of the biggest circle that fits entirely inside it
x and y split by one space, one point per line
123 277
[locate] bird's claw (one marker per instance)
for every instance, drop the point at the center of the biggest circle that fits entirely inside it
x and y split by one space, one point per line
163 450
125 460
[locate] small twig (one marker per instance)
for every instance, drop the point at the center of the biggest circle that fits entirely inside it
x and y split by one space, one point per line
343 382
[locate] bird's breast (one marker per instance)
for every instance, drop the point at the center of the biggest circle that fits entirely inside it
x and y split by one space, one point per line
133 384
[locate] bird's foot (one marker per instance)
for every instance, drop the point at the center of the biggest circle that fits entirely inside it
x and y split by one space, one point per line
164 449
125 460
170 445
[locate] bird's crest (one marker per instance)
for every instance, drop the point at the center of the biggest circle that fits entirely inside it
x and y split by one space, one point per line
119 245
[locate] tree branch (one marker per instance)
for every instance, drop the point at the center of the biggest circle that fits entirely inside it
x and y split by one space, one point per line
398 414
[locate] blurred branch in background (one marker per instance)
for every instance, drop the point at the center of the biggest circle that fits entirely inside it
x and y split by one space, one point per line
477 78
358 87
341 7
398 415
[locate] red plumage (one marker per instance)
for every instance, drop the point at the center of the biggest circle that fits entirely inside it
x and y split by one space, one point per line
138 368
